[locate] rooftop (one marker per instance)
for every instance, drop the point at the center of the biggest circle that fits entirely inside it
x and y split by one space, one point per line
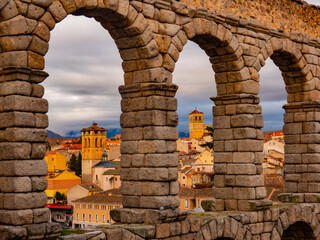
94 127
110 196
195 112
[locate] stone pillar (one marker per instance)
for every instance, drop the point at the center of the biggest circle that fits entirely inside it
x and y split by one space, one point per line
238 153
302 151
149 170
23 171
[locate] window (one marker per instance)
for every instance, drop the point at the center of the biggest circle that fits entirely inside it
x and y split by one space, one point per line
96 217
103 207
89 206
83 206
89 217
77 205
103 218
96 206
196 118
83 217
77 216
184 177
186 203
199 117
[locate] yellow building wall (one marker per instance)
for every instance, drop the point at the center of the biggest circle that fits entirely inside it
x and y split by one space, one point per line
56 161
196 125
206 157
61 183
189 181
187 203
93 145
93 209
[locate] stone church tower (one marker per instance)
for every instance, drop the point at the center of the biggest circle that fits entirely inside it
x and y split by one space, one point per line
93 145
196 125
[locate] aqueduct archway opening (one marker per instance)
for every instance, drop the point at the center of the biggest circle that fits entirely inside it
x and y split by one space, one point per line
149 36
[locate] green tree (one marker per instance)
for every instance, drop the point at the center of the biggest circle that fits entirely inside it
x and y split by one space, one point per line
75 164
208 144
59 196
48 146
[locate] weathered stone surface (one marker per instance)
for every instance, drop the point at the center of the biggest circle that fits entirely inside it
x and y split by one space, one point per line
23 168
25 134
10 232
16 26
24 104
15 184
24 200
39 183
14 150
41 215
17 119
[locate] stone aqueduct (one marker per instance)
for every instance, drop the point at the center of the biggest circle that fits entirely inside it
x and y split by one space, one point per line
238 37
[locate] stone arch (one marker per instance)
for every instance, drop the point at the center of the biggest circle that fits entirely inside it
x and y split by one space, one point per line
224 52
297 75
299 230
128 27
224 228
298 218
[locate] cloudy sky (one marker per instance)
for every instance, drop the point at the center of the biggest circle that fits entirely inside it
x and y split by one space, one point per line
85 72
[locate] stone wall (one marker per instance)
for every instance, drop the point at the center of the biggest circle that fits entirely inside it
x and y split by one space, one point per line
289 15
150 36
286 222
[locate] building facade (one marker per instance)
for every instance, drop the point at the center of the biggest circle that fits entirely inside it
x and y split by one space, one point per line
93 145
94 210
196 124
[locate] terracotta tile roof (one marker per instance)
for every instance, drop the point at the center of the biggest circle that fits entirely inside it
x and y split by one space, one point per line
195 112
91 187
186 169
204 192
107 197
94 127
72 146
50 152
187 192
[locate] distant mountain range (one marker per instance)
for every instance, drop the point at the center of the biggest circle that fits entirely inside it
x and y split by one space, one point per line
111 133
55 135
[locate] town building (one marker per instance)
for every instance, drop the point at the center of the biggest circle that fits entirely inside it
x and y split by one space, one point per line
106 173
60 213
55 161
61 181
93 145
82 190
94 210
273 135
273 145
196 124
